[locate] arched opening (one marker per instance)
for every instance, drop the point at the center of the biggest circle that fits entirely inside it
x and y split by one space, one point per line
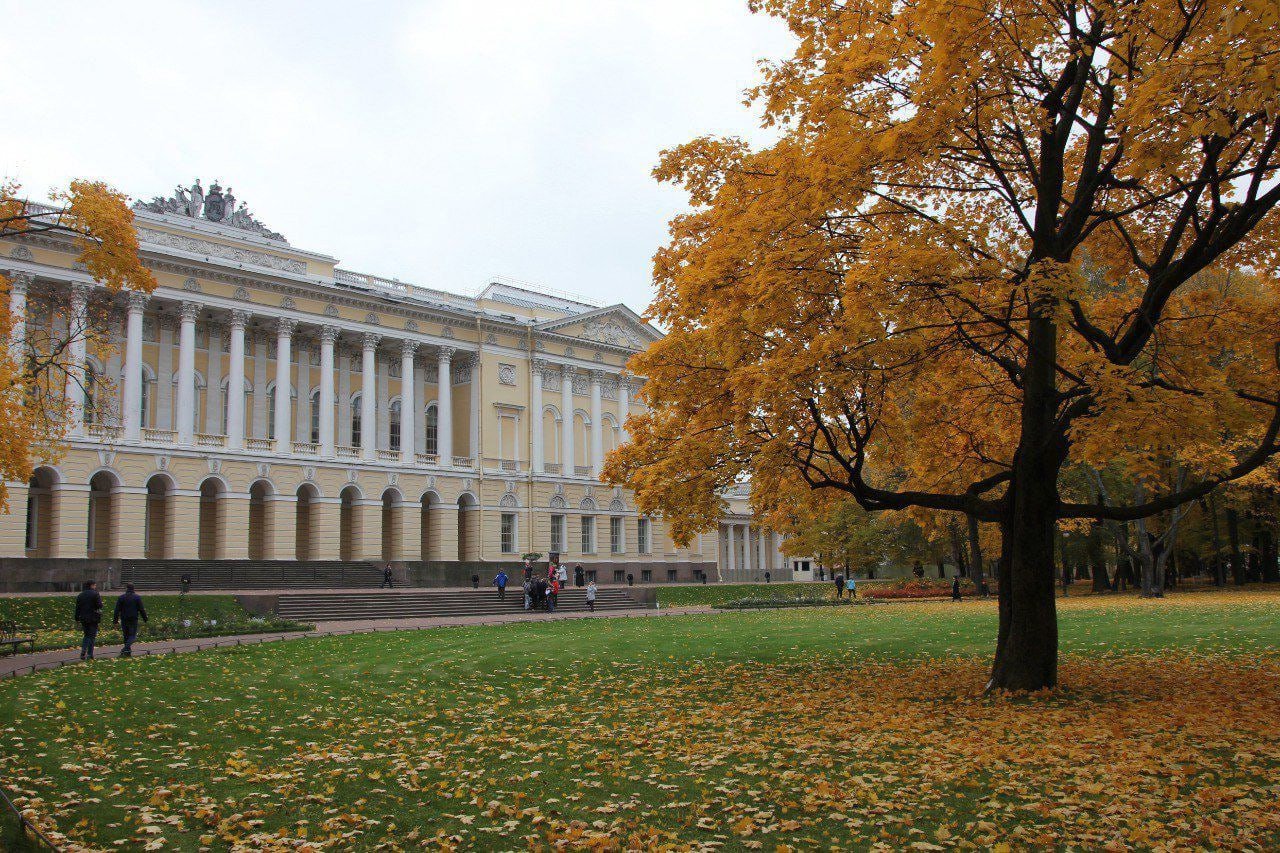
393 426
40 517
581 441
210 537
392 528
432 431
314 431
610 433
100 540
259 519
551 440
348 524
247 411
468 528
355 421
307 526
432 534
157 527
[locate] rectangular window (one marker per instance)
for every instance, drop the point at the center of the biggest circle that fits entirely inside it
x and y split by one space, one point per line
588 534
646 575
394 441
671 575
355 423
508 535
557 534
617 536
644 535
591 575
619 576
433 430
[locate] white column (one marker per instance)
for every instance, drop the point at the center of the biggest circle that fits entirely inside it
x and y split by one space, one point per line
444 401
777 550
474 421
19 283
78 327
368 390
420 397
597 428
760 535
213 382
408 428
235 380
328 336
132 402
624 408
733 548
284 342
566 420
186 411
537 456
747 562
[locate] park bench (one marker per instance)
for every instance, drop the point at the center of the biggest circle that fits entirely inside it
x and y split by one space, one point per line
10 635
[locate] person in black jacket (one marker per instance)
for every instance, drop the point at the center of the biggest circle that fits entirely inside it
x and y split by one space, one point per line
128 609
89 615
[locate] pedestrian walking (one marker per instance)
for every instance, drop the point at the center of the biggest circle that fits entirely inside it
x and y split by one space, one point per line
631 579
528 593
387 578
128 610
553 595
89 615
839 579
500 581
475 581
562 576
955 588
851 586
591 596
767 577
579 576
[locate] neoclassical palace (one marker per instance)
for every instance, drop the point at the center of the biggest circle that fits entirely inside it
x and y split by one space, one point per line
264 403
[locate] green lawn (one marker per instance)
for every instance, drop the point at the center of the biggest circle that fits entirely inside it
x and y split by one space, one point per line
49 618
850 727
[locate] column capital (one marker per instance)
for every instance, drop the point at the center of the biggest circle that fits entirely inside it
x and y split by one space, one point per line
446 353
371 340
239 318
329 334
567 370
408 349
597 377
79 297
189 311
538 365
137 300
19 282
285 327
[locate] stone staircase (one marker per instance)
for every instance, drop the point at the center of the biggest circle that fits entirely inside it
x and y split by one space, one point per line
427 603
166 575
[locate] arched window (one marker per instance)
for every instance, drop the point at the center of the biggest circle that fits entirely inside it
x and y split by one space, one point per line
315 416
248 400
355 421
393 424
433 429
271 408
92 388
147 382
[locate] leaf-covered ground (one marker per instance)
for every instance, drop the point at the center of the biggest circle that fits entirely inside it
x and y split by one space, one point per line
833 727
49 618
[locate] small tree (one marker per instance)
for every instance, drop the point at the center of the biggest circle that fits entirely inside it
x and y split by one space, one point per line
34 375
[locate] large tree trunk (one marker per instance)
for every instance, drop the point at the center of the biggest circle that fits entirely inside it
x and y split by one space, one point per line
1027 647
1219 568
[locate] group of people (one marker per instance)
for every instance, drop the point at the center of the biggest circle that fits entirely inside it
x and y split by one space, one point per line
544 593
844 585
128 611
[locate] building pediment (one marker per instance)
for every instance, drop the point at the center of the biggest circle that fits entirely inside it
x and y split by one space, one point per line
615 325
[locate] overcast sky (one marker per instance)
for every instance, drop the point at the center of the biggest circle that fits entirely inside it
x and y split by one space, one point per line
440 142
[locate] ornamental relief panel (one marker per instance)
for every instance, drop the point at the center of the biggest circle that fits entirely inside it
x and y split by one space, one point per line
551 380
507 374
610 332
218 250
580 384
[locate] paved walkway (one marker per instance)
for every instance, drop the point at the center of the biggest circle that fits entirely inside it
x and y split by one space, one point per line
28 663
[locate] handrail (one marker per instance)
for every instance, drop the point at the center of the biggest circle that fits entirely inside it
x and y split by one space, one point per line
26 826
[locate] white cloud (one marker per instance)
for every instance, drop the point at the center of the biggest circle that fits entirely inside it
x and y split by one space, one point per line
439 142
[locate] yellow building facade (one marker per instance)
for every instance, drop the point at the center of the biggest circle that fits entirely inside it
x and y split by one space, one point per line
265 404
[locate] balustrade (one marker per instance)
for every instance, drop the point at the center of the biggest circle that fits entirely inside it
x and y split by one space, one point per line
204 439
307 447
259 444
158 436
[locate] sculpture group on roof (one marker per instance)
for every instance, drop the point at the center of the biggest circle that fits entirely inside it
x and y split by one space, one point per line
214 206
